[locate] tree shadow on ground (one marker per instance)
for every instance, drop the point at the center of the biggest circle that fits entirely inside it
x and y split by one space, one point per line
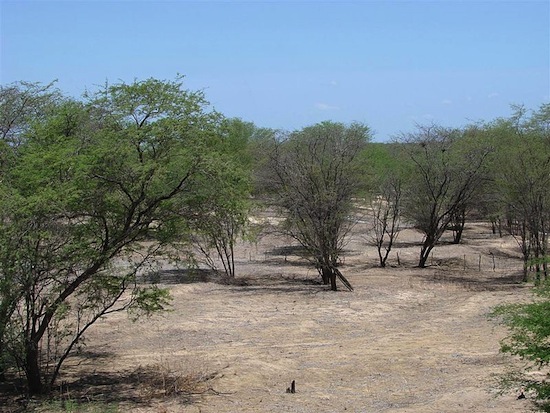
140 387
296 250
294 255
188 276
468 280
282 284
406 244
287 261
257 282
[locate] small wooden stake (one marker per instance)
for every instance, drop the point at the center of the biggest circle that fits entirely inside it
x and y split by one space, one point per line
292 388
479 265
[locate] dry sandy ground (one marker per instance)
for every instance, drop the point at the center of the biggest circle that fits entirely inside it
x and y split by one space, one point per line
406 340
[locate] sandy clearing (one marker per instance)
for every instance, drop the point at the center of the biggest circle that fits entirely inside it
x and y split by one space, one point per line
406 340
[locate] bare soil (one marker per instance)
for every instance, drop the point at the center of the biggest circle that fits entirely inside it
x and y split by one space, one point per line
406 340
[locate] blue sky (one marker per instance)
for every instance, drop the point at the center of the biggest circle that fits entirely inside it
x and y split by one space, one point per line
289 64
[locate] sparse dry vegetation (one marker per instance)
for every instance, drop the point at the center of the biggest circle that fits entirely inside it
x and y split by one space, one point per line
141 203
407 339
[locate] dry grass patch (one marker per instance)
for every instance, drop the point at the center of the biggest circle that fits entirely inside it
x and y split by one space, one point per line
110 391
164 379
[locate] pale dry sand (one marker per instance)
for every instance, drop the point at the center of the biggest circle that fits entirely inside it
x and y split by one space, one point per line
406 340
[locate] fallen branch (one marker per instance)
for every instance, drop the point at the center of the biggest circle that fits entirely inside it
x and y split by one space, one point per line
210 389
343 279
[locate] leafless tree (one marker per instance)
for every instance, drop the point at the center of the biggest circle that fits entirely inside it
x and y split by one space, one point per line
316 173
386 217
446 172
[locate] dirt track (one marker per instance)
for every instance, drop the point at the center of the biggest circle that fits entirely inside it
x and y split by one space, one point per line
406 340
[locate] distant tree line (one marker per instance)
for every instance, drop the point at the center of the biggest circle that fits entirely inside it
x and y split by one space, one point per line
94 191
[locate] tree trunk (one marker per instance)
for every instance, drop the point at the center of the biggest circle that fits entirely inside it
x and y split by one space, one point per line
525 269
333 280
425 251
328 275
458 227
383 257
325 273
545 257
32 369
3 363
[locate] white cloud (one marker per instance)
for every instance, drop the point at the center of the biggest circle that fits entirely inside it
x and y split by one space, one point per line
324 106
493 95
447 102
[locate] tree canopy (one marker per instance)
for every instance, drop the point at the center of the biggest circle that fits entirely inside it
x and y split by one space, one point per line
316 173
446 174
93 191
88 189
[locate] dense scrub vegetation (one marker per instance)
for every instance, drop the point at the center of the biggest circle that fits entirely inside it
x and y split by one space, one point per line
93 191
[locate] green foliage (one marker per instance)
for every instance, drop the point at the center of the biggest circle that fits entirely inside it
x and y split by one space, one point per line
237 136
520 173
94 191
529 339
220 200
387 171
381 162
89 184
148 301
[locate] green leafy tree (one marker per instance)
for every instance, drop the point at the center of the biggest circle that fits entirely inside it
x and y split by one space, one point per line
260 145
529 327
526 184
316 172
220 219
220 209
521 181
220 201
90 184
22 104
521 192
